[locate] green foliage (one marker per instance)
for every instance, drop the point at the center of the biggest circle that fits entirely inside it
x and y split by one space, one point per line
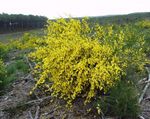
143 28
18 65
81 60
22 66
12 71
144 24
121 102
2 73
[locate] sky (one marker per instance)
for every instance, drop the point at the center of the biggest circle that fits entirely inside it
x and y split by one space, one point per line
74 8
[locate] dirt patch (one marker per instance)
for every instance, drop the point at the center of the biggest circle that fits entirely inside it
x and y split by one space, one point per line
16 104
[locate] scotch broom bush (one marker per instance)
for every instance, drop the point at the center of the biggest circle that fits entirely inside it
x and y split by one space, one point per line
81 60
28 42
3 50
2 73
144 24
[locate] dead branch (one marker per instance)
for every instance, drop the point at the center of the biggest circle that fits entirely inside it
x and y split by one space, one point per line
148 98
38 100
29 76
47 113
146 110
145 82
141 117
142 80
30 65
30 115
102 115
146 86
37 112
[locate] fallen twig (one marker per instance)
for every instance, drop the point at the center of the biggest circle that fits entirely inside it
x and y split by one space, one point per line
141 117
146 86
102 115
146 110
142 80
148 98
37 112
29 76
31 68
38 100
30 65
47 113
147 81
30 115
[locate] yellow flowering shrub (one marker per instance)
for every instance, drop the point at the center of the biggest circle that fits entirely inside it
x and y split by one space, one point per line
144 23
82 60
2 73
3 50
28 41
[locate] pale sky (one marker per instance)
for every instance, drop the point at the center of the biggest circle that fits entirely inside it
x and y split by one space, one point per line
74 8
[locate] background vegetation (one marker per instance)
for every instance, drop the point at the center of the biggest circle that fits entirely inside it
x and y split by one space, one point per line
15 22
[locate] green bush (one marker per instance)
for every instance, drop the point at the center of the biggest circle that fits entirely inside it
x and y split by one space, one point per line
121 102
21 66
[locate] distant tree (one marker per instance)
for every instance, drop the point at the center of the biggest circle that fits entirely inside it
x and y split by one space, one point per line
16 22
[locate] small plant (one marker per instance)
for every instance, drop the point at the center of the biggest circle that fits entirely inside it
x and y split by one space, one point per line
12 70
21 66
18 65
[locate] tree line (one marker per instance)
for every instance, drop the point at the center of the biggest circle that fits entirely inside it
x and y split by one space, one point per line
17 22
120 19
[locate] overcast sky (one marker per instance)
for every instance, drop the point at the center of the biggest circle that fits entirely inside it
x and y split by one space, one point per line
74 8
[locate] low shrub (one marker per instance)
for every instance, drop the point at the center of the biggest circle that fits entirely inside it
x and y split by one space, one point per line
122 101
17 66
12 70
